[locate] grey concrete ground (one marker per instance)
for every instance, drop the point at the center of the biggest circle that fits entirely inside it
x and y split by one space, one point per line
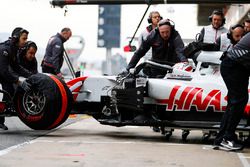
19 133
86 143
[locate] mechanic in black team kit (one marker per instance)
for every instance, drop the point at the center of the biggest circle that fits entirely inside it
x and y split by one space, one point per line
235 71
27 57
9 66
53 58
167 48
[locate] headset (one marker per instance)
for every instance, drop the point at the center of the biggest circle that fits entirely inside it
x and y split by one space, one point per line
230 32
167 22
29 44
150 16
217 12
16 33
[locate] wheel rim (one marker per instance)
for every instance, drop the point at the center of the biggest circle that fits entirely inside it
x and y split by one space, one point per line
34 102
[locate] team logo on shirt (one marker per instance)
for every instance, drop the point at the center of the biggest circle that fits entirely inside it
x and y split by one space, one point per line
57 46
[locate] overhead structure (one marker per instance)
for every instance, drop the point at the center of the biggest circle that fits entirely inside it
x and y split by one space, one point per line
61 3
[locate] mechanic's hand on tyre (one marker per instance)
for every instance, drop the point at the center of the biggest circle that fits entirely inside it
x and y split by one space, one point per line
24 85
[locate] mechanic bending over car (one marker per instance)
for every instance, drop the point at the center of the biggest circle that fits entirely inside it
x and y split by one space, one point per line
27 57
153 20
227 40
235 71
53 58
9 66
167 48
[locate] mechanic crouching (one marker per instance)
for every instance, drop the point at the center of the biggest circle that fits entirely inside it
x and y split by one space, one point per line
27 58
167 48
9 66
235 71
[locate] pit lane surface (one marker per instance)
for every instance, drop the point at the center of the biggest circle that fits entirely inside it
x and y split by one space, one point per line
85 142
19 133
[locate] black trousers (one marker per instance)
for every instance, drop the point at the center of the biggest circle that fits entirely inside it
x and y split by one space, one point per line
236 78
11 90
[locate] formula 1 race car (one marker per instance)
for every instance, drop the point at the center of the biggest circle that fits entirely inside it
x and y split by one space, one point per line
193 99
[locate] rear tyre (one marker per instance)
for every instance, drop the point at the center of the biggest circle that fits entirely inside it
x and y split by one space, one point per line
47 106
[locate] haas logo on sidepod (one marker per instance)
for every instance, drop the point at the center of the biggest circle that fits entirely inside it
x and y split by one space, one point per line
194 96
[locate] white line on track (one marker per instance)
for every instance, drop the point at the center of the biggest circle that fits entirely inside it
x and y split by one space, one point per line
106 142
241 156
243 160
9 149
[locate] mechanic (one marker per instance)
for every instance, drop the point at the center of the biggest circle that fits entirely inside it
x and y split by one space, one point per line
53 58
207 37
210 33
153 20
167 48
247 25
27 57
235 71
9 66
231 38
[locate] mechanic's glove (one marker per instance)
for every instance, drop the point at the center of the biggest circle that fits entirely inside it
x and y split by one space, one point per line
24 85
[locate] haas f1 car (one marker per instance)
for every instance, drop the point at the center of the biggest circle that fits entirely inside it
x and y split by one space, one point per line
182 99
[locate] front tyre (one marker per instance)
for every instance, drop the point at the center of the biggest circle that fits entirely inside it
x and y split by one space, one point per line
47 105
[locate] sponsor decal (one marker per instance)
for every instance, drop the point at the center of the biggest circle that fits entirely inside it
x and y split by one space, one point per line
183 98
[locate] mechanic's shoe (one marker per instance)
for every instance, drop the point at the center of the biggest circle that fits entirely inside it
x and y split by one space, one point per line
4 127
216 145
231 145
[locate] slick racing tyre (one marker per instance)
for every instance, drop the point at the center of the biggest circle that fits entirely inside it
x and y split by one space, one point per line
47 105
